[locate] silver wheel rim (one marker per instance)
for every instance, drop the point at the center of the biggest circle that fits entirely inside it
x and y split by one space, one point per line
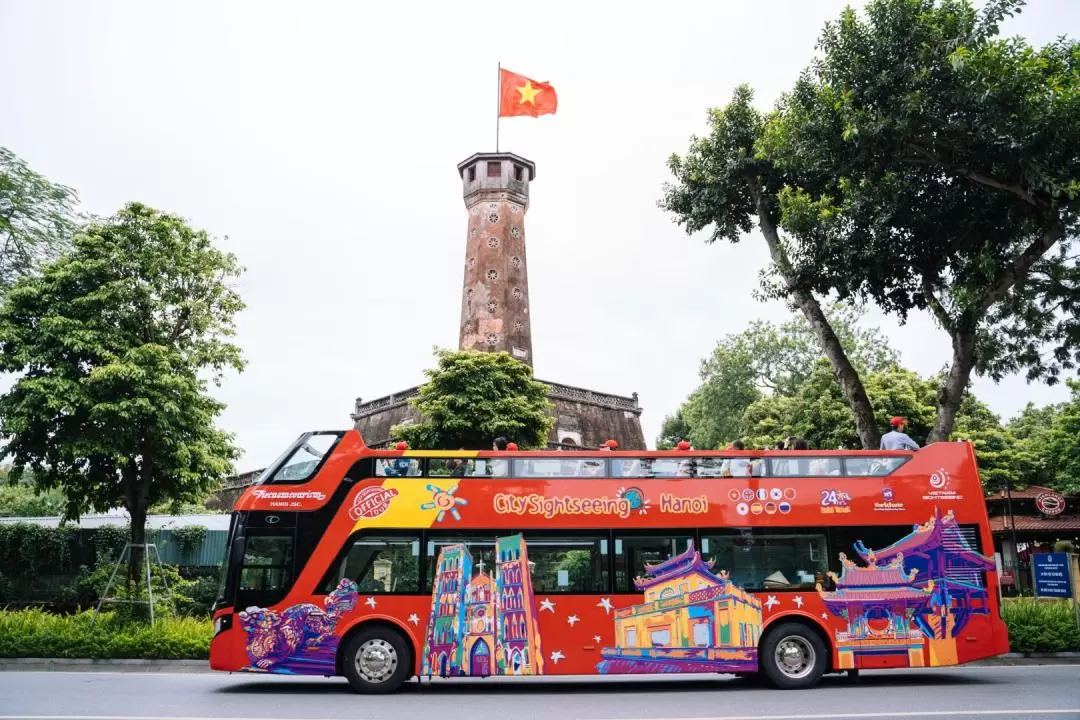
795 656
376 661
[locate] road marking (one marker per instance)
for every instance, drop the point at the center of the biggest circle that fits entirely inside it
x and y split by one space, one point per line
799 716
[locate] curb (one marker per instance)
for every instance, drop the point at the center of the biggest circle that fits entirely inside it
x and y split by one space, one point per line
203 666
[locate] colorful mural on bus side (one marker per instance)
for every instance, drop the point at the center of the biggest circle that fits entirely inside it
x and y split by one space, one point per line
903 605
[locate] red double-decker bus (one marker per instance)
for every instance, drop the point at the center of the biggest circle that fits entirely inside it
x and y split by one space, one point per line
381 565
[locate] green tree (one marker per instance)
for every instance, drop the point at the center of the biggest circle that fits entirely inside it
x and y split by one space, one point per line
35 218
1064 443
724 184
934 167
1032 432
673 429
21 499
764 361
115 343
473 397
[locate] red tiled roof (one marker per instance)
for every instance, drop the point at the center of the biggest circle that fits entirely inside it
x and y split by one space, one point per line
1029 493
902 593
1031 523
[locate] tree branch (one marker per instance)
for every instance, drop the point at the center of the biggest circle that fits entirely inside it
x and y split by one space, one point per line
935 305
978 177
1020 266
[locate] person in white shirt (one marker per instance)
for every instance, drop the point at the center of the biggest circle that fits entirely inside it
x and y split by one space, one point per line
897 439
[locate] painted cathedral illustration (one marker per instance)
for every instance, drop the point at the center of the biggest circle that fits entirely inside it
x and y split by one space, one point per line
691 621
926 585
480 625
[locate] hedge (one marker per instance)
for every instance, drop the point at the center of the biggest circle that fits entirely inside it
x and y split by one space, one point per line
1041 625
38 634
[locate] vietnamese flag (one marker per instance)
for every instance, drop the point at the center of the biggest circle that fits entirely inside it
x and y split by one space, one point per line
519 95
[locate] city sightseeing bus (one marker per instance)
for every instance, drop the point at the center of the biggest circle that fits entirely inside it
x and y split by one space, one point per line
382 565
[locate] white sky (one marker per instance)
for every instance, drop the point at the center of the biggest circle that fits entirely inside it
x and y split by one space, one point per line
322 139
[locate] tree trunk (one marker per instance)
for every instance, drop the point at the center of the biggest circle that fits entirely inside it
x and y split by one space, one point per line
136 574
846 374
951 392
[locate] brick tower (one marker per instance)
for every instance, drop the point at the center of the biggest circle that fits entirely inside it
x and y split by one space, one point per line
495 297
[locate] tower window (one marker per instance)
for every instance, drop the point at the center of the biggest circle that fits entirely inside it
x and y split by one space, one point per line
493 275
515 231
519 326
492 306
519 174
517 293
492 339
472 173
515 261
493 218
494 169
493 242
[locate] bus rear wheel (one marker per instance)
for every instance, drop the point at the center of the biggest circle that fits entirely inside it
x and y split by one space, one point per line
793 657
377 660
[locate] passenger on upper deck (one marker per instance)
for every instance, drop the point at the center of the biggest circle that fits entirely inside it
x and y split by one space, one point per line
897 439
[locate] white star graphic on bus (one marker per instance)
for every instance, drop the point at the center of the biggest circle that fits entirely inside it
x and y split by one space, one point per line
557 656
414 619
798 601
573 619
606 604
370 602
771 601
824 616
596 638
546 604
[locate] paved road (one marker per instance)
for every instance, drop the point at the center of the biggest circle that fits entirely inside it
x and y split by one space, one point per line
1023 693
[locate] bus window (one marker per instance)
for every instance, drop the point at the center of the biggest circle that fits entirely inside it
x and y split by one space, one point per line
799 466
397 467
305 460
557 467
872 466
379 564
773 560
568 564
634 552
468 467
730 467
266 575
477 556
653 467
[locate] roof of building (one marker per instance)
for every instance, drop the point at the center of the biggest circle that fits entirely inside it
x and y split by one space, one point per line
1038 523
1029 493
871 595
120 517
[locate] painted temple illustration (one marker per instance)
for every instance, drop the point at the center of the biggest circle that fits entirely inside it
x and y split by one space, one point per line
482 625
692 620
925 586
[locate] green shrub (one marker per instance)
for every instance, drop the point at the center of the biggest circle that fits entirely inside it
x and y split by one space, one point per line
1041 625
33 633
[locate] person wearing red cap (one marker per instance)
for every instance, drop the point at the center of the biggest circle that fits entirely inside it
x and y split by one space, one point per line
897 439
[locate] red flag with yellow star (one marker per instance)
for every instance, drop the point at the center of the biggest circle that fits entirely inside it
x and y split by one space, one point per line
519 95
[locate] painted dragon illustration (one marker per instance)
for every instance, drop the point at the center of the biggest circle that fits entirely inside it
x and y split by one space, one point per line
273 638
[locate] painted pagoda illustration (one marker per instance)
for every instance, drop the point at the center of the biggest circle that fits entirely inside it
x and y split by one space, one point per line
692 620
483 625
925 586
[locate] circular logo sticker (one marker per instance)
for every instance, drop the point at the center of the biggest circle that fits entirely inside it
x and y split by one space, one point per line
789 493
770 508
776 493
785 507
742 508
734 495
756 508
747 494
762 494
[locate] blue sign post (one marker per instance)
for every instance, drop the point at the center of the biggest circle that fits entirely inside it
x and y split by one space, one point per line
1052 577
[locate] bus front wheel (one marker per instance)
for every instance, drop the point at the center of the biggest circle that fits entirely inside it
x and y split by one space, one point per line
377 660
793 657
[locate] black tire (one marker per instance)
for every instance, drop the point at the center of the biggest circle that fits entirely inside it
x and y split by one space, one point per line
377 660
792 657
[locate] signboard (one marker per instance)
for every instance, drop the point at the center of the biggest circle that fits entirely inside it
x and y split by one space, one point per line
1051 572
1050 503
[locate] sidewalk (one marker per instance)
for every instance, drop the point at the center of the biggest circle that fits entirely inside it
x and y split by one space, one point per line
203 666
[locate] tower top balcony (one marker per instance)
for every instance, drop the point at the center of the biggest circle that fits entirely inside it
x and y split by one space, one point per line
489 176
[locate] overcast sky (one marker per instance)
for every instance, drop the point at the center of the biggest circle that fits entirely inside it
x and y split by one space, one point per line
322 138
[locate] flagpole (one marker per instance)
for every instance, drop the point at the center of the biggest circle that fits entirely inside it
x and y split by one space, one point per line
498 102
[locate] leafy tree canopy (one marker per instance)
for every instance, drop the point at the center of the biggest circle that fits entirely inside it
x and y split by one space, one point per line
938 167
35 218
114 344
473 397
